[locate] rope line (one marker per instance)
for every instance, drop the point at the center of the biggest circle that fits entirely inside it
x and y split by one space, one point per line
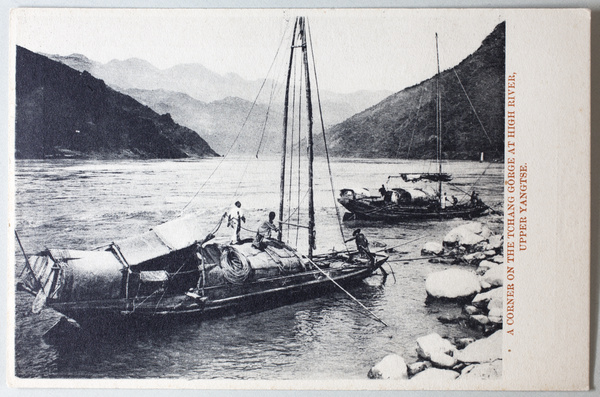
337 210
472 107
242 127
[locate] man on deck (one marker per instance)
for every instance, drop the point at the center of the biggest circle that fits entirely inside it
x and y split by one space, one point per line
362 245
235 217
264 231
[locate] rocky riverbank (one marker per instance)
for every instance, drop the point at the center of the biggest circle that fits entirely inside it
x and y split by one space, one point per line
473 279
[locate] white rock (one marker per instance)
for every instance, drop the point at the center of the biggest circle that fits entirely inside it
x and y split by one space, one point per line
498 259
484 284
432 248
479 319
482 300
435 376
482 351
417 367
496 299
467 234
452 284
476 256
484 266
443 360
495 315
494 276
489 252
391 367
484 371
470 310
434 344
495 241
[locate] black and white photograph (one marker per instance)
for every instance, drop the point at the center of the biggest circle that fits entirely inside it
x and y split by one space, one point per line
265 195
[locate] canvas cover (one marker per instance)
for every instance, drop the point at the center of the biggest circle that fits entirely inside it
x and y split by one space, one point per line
89 275
181 232
141 248
163 239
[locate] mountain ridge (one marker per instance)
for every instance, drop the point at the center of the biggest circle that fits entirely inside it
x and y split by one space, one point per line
63 112
403 125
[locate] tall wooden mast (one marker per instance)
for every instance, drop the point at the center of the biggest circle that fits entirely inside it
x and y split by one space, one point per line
311 204
438 121
285 126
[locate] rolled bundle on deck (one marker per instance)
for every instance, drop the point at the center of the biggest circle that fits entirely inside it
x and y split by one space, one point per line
241 263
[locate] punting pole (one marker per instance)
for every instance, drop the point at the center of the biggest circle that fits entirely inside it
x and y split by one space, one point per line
39 285
346 292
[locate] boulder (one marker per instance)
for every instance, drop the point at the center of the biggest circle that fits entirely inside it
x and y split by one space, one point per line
468 234
432 248
482 300
495 315
452 284
391 367
498 259
484 266
494 276
442 360
417 367
496 299
495 241
435 376
489 252
482 351
484 284
479 319
476 256
433 344
485 371
470 310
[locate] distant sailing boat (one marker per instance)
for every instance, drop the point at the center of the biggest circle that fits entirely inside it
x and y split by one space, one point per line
416 199
175 269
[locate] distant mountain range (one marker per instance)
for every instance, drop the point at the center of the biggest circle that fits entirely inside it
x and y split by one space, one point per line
203 100
64 109
404 124
63 112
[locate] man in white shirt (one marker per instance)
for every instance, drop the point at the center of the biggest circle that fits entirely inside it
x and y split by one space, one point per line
235 217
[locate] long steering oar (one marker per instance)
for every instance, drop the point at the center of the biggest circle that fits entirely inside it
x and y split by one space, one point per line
347 293
40 299
37 282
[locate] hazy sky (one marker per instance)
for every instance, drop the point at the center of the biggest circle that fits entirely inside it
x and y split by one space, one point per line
367 49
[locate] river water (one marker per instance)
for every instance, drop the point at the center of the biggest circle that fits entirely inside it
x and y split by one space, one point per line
84 204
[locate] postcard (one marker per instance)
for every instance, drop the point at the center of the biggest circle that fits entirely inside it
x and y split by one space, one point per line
335 199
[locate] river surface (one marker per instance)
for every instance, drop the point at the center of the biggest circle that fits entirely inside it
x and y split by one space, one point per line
81 204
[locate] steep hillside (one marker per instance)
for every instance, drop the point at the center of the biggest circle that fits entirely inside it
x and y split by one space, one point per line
403 125
204 85
64 112
220 122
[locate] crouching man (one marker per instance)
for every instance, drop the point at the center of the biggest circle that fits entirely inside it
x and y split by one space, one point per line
264 231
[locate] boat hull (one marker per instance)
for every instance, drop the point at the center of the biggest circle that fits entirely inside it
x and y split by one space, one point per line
258 295
380 210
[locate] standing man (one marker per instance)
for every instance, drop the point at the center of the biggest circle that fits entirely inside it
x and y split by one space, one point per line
234 221
264 230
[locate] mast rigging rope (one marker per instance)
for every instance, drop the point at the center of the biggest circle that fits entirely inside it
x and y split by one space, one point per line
243 124
337 210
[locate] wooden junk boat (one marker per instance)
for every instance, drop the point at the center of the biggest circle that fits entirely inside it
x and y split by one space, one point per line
413 196
177 269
